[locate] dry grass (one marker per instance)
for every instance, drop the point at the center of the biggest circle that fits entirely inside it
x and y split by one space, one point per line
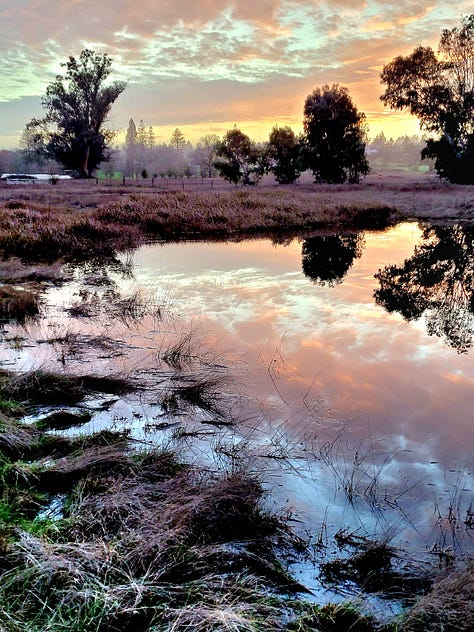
119 218
43 387
17 304
448 607
146 543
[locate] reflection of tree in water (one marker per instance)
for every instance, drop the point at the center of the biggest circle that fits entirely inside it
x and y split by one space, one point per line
327 259
437 279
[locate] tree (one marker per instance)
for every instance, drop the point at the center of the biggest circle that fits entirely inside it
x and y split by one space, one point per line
178 140
327 259
32 143
284 155
438 282
150 140
335 134
439 91
239 159
205 154
404 152
77 105
131 149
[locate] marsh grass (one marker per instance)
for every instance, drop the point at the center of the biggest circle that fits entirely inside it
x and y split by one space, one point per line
334 618
66 229
32 232
448 607
18 304
377 567
145 543
63 419
180 354
44 387
131 309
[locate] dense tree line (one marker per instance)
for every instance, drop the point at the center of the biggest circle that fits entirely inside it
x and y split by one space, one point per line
403 152
73 134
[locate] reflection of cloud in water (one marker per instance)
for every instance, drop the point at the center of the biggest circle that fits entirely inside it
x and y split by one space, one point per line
303 343
318 366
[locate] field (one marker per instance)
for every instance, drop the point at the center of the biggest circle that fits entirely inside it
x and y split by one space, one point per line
99 533
416 195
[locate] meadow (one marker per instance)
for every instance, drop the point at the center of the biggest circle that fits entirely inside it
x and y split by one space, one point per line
101 533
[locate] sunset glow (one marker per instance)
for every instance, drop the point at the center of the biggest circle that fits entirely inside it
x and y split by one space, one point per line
204 67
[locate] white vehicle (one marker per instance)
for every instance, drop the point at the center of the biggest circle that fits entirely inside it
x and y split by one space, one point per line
31 178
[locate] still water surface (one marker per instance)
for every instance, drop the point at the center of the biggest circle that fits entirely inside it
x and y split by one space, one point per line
319 354
352 392
380 392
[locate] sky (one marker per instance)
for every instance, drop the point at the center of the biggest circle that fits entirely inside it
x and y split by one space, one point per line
209 65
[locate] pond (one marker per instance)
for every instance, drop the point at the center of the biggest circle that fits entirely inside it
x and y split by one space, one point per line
343 361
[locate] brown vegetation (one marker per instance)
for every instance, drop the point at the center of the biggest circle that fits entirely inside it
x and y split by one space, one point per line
140 540
40 224
448 607
143 542
18 305
43 387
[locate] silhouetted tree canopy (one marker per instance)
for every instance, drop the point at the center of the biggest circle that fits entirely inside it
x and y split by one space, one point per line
439 91
284 155
335 135
327 259
438 282
77 105
239 159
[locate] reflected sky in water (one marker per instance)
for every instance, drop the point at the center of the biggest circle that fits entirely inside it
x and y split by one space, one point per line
358 417
315 358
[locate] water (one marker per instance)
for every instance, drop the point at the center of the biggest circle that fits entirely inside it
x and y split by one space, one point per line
351 392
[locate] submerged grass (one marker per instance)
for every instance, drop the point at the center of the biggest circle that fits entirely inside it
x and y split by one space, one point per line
44 387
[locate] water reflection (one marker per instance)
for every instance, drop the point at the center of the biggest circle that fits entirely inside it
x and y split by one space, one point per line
327 259
317 375
436 281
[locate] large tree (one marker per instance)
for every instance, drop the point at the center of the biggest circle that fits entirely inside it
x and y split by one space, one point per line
439 90
335 136
77 106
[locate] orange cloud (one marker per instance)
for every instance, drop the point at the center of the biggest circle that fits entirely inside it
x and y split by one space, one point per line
216 61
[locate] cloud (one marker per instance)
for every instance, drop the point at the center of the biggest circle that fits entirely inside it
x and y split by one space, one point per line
177 53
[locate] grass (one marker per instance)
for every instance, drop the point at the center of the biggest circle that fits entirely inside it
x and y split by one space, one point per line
18 304
142 540
448 607
43 387
145 542
32 232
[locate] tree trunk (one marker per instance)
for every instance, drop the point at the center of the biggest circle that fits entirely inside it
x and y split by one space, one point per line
85 163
